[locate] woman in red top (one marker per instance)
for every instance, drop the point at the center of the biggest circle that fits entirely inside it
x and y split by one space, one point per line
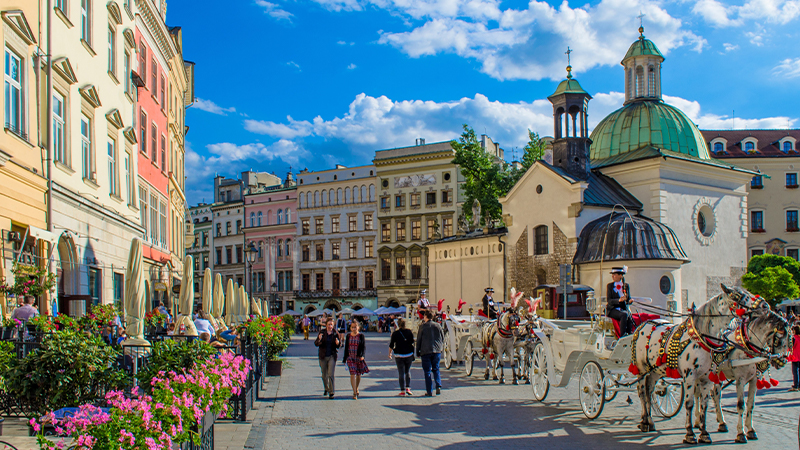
794 357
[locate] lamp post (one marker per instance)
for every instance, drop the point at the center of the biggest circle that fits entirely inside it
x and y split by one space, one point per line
251 253
273 304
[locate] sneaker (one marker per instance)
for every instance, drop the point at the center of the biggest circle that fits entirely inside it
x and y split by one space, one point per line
408 392
330 396
402 394
428 394
438 390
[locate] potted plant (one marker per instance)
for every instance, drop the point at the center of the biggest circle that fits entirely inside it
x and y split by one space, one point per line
29 280
156 321
10 327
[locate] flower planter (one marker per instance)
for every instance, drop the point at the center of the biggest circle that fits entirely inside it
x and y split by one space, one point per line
7 333
274 368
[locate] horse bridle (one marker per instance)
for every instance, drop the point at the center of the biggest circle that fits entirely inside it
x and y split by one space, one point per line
513 324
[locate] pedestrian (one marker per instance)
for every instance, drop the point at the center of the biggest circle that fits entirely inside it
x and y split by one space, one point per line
306 322
27 311
203 323
794 357
354 348
328 341
341 326
402 344
430 342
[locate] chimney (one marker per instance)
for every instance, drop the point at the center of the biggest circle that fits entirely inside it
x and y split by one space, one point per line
420 141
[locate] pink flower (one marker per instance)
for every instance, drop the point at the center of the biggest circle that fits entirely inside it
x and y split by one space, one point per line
34 425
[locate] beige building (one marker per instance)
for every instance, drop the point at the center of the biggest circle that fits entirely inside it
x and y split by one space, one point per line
773 201
22 142
417 188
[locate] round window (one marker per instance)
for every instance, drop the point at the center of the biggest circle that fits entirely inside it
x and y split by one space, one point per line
385 183
705 221
447 176
665 284
539 189
472 250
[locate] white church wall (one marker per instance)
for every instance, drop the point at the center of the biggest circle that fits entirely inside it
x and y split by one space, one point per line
644 278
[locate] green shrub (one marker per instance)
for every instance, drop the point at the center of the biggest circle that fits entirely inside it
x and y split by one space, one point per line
173 355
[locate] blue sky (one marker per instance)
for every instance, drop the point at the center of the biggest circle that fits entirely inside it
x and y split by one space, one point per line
313 83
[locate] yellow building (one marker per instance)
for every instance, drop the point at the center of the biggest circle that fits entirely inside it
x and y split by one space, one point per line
772 198
22 161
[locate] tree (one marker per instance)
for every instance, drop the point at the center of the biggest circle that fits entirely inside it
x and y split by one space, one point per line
488 178
760 262
772 283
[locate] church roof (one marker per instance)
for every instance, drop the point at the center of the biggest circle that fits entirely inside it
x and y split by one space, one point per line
652 152
628 238
641 47
602 191
569 86
767 143
647 123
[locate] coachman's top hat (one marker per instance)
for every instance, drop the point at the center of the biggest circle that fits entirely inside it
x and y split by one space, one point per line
620 270
488 289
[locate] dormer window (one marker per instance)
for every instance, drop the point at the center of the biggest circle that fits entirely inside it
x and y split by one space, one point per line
718 147
749 147
787 146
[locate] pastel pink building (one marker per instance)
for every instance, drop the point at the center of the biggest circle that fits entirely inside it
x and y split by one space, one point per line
270 217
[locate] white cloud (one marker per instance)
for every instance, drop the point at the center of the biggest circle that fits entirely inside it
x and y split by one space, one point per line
716 13
284 131
274 10
213 108
789 68
345 43
295 65
773 11
730 47
716 122
351 66
529 43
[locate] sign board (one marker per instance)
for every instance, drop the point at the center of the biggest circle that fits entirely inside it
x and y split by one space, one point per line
564 274
560 289
160 287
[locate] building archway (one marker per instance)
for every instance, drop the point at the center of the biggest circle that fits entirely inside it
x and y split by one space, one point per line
309 309
392 303
333 305
356 307
68 266
541 277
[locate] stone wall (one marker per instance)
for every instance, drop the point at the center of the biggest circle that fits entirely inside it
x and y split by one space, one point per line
735 279
523 269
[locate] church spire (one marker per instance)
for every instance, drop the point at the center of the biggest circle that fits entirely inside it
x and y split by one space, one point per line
642 68
570 120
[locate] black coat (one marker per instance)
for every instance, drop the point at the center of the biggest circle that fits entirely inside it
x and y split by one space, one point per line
361 347
613 297
322 343
402 342
489 310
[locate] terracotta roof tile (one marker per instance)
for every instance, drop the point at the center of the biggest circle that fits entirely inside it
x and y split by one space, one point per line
768 143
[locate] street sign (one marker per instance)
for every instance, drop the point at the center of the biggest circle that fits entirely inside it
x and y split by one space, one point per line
160 287
564 274
560 289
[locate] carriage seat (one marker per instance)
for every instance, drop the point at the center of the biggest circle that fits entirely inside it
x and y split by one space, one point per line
638 319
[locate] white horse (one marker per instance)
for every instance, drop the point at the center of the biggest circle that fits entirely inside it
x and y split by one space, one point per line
499 337
763 338
684 351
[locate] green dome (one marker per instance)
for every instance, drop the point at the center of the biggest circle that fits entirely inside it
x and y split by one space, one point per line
647 124
642 47
569 86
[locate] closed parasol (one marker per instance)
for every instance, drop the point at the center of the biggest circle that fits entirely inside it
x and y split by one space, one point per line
230 301
134 297
186 299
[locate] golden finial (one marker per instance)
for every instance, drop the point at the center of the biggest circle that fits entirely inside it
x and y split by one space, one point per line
641 24
569 62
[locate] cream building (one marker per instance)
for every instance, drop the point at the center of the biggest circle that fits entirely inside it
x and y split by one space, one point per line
772 200
95 203
336 239
23 163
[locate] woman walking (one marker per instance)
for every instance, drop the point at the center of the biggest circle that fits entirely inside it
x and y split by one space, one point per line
794 358
354 349
328 341
402 344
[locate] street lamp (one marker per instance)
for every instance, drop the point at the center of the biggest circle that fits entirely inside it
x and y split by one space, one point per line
250 253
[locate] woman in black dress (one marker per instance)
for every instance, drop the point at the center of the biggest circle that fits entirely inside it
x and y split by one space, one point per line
402 344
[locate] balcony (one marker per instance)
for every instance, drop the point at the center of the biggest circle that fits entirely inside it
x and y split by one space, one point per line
328 293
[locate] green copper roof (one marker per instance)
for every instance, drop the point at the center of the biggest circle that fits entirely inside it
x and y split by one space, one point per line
641 47
643 124
569 86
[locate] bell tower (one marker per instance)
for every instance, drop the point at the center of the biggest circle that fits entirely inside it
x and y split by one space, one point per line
570 119
642 66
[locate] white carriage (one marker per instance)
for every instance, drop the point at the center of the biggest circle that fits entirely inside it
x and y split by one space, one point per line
463 340
591 349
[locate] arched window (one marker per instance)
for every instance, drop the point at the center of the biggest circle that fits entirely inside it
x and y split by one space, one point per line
316 198
347 195
259 218
287 216
324 199
302 200
749 147
260 252
540 240
280 248
372 192
651 81
639 81
718 147
269 217
363 193
288 249
787 146
280 217
331 197
339 199
252 219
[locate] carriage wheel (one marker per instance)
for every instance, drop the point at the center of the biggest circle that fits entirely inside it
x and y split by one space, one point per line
448 355
591 390
469 358
537 372
611 382
667 397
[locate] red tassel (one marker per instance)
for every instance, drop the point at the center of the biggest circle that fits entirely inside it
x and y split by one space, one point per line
712 377
722 377
491 356
773 381
759 384
673 373
485 351
633 369
661 360
740 312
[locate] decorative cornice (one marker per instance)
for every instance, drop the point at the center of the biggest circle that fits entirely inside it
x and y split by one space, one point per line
16 19
63 67
114 12
130 38
115 118
157 28
130 135
89 93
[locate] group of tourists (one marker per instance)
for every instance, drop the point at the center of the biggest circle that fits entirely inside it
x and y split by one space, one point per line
403 348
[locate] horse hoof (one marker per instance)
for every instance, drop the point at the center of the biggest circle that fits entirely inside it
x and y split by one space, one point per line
494 378
486 377
515 383
644 427
752 435
740 439
502 381
722 428
704 439
689 440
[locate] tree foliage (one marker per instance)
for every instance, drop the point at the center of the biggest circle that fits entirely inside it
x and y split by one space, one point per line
760 262
773 283
488 178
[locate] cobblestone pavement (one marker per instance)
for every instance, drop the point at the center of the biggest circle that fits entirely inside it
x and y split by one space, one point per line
475 413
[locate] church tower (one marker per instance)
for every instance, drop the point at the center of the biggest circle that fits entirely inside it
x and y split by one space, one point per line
571 141
642 66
